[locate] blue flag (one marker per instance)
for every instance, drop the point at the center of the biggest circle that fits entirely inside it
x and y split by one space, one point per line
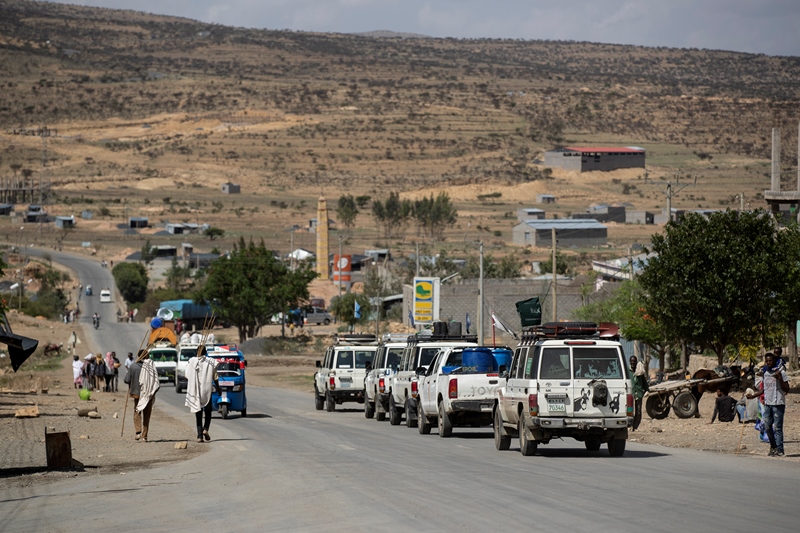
468 323
411 318
357 311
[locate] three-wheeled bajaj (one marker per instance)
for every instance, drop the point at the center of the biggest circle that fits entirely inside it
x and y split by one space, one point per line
230 370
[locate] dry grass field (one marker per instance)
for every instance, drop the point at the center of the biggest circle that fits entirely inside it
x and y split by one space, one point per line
150 115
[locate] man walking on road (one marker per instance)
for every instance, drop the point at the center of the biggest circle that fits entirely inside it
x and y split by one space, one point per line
201 375
639 386
776 385
143 397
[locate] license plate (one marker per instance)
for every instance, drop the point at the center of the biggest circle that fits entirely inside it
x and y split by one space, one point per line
226 383
556 406
345 384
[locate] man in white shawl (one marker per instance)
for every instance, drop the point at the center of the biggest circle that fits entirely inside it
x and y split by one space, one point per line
201 375
148 387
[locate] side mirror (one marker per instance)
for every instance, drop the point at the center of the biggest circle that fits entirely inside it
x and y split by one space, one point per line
319 364
503 371
420 370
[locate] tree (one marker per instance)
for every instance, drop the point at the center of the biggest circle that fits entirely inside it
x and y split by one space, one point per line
213 233
344 308
131 280
250 286
392 215
347 210
434 215
148 253
507 268
562 264
177 276
713 281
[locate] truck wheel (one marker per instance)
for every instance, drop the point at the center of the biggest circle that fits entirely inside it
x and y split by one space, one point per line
685 405
616 447
330 405
319 401
657 406
394 416
369 409
327 321
423 424
244 413
380 413
592 444
177 387
224 411
501 441
445 425
526 447
410 422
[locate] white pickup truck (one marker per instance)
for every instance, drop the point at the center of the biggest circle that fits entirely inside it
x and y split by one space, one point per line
565 380
340 374
457 390
165 359
418 354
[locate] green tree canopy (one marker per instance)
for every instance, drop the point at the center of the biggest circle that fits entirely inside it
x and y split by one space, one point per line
347 210
250 286
344 308
131 280
714 281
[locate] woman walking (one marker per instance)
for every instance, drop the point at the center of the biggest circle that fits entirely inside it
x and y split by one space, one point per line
99 372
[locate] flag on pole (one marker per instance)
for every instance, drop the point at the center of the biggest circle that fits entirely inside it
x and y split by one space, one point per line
357 311
468 323
496 322
411 318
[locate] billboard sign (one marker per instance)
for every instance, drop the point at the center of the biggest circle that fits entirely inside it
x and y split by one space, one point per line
426 300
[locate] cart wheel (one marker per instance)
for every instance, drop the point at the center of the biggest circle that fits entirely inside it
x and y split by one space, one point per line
244 413
685 405
224 411
657 406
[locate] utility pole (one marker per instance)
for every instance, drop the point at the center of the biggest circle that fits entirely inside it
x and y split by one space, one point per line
480 300
339 264
417 257
291 251
555 276
671 188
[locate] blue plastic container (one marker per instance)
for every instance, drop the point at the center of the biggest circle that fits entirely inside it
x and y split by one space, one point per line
479 359
502 356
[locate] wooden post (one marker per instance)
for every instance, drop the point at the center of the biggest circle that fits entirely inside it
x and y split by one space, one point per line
59 450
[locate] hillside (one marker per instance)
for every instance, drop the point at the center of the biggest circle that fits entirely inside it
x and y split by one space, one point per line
149 115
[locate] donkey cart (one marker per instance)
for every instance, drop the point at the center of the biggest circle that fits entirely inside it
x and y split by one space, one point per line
679 395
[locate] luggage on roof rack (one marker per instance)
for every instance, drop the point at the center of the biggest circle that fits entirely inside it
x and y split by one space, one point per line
562 330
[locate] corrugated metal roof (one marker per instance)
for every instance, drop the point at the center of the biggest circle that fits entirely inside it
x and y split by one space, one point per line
604 149
589 223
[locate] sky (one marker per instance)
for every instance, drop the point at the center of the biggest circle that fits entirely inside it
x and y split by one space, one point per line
755 26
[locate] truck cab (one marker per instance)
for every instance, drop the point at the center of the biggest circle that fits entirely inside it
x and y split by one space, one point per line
377 384
165 359
565 380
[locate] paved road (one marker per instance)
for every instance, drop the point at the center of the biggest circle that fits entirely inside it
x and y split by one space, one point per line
287 467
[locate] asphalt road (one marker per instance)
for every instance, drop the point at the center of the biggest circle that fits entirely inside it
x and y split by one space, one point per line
288 467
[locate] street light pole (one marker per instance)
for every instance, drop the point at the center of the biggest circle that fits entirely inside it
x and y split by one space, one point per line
480 299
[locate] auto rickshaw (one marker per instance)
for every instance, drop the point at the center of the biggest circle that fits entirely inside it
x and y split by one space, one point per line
88 290
230 370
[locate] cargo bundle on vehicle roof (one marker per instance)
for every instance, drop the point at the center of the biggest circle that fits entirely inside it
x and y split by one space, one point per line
566 330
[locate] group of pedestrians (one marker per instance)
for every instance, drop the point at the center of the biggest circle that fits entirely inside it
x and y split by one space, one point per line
96 373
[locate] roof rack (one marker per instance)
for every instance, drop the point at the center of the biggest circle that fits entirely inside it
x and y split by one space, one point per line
355 338
414 339
569 330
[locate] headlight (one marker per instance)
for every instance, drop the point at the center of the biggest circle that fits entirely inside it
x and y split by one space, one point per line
237 388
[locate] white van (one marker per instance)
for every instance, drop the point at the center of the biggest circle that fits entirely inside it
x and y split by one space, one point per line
105 296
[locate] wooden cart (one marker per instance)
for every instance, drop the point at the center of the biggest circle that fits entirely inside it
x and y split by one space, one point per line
678 395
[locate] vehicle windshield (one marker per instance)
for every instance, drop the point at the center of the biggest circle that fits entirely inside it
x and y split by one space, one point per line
229 370
426 355
187 354
164 356
595 362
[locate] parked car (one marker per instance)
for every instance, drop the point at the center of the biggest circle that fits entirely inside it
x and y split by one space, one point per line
318 316
105 296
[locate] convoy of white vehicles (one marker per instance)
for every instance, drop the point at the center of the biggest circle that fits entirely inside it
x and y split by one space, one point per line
564 379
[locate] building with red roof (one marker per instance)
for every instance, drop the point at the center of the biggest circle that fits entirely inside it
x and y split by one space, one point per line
584 159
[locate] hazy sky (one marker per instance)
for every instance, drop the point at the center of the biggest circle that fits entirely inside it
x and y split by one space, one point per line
758 26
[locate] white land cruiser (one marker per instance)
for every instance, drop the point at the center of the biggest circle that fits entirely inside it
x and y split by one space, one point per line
458 389
417 356
377 384
566 379
165 359
340 375
186 351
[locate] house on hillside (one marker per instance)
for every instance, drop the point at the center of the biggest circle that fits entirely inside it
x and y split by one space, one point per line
137 222
529 213
603 213
231 188
545 199
65 222
595 158
569 233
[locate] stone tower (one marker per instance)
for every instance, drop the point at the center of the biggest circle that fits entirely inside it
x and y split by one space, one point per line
322 239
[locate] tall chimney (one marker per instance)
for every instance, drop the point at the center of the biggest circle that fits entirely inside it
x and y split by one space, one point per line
776 159
322 238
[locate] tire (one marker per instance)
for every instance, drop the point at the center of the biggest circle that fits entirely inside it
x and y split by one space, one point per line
327 321
369 409
224 411
445 425
501 442
423 424
394 416
526 447
244 413
685 405
657 406
330 405
592 444
410 422
319 401
616 447
177 388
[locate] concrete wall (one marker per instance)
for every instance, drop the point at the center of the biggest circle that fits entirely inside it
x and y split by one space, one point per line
524 235
566 160
585 163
